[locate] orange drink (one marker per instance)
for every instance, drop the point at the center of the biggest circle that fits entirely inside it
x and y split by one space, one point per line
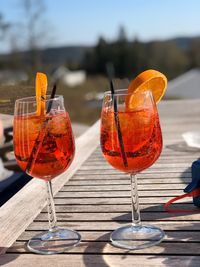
57 149
44 148
131 141
141 134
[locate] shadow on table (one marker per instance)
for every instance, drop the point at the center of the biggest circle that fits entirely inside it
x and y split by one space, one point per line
170 261
98 260
14 187
12 179
7 258
183 147
161 215
105 260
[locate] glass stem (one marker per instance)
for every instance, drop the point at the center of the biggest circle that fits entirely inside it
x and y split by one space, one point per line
135 202
51 207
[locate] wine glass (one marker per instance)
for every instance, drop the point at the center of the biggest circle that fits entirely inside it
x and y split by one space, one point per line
131 141
44 148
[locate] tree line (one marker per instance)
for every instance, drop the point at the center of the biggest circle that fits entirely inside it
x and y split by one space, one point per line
132 57
129 57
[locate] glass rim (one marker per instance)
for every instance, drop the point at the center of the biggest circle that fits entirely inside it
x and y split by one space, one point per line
124 92
32 99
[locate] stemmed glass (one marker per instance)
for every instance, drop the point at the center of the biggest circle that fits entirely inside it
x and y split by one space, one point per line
44 148
131 141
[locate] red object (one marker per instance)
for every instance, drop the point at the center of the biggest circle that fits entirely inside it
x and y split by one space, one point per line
194 193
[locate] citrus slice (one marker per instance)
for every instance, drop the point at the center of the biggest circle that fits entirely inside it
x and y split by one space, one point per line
41 89
152 80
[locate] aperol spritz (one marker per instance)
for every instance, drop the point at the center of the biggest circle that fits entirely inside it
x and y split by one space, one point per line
131 141
56 150
44 148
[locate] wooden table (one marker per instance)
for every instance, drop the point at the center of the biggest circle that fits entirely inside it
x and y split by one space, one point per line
94 199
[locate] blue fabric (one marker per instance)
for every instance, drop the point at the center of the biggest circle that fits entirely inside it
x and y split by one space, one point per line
195 182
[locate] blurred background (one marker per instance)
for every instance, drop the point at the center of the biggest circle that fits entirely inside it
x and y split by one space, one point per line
72 41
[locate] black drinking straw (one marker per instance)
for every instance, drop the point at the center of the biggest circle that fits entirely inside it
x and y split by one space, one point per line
41 135
53 93
110 72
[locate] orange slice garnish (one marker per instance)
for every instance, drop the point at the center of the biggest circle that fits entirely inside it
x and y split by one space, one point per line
41 89
152 80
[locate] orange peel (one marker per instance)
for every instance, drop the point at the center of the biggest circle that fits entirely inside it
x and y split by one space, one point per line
152 80
41 89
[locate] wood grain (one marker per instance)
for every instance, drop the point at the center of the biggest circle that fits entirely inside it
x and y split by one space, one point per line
20 210
96 201
106 260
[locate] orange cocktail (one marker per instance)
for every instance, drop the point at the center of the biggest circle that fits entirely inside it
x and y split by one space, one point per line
56 150
131 141
44 148
141 135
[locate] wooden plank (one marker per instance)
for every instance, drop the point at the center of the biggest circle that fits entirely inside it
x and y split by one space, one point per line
124 176
154 193
95 247
107 170
90 260
22 208
165 152
115 200
178 108
162 160
119 187
119 216
112 225
123 181
151 172
173 236
67 208
156 166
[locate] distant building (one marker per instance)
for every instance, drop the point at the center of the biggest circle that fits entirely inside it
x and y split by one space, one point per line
70 78
11 77
185 86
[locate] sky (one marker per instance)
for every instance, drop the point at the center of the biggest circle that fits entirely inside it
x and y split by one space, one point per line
81 22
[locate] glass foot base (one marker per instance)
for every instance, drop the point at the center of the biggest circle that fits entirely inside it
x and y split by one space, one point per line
53 242
137 237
